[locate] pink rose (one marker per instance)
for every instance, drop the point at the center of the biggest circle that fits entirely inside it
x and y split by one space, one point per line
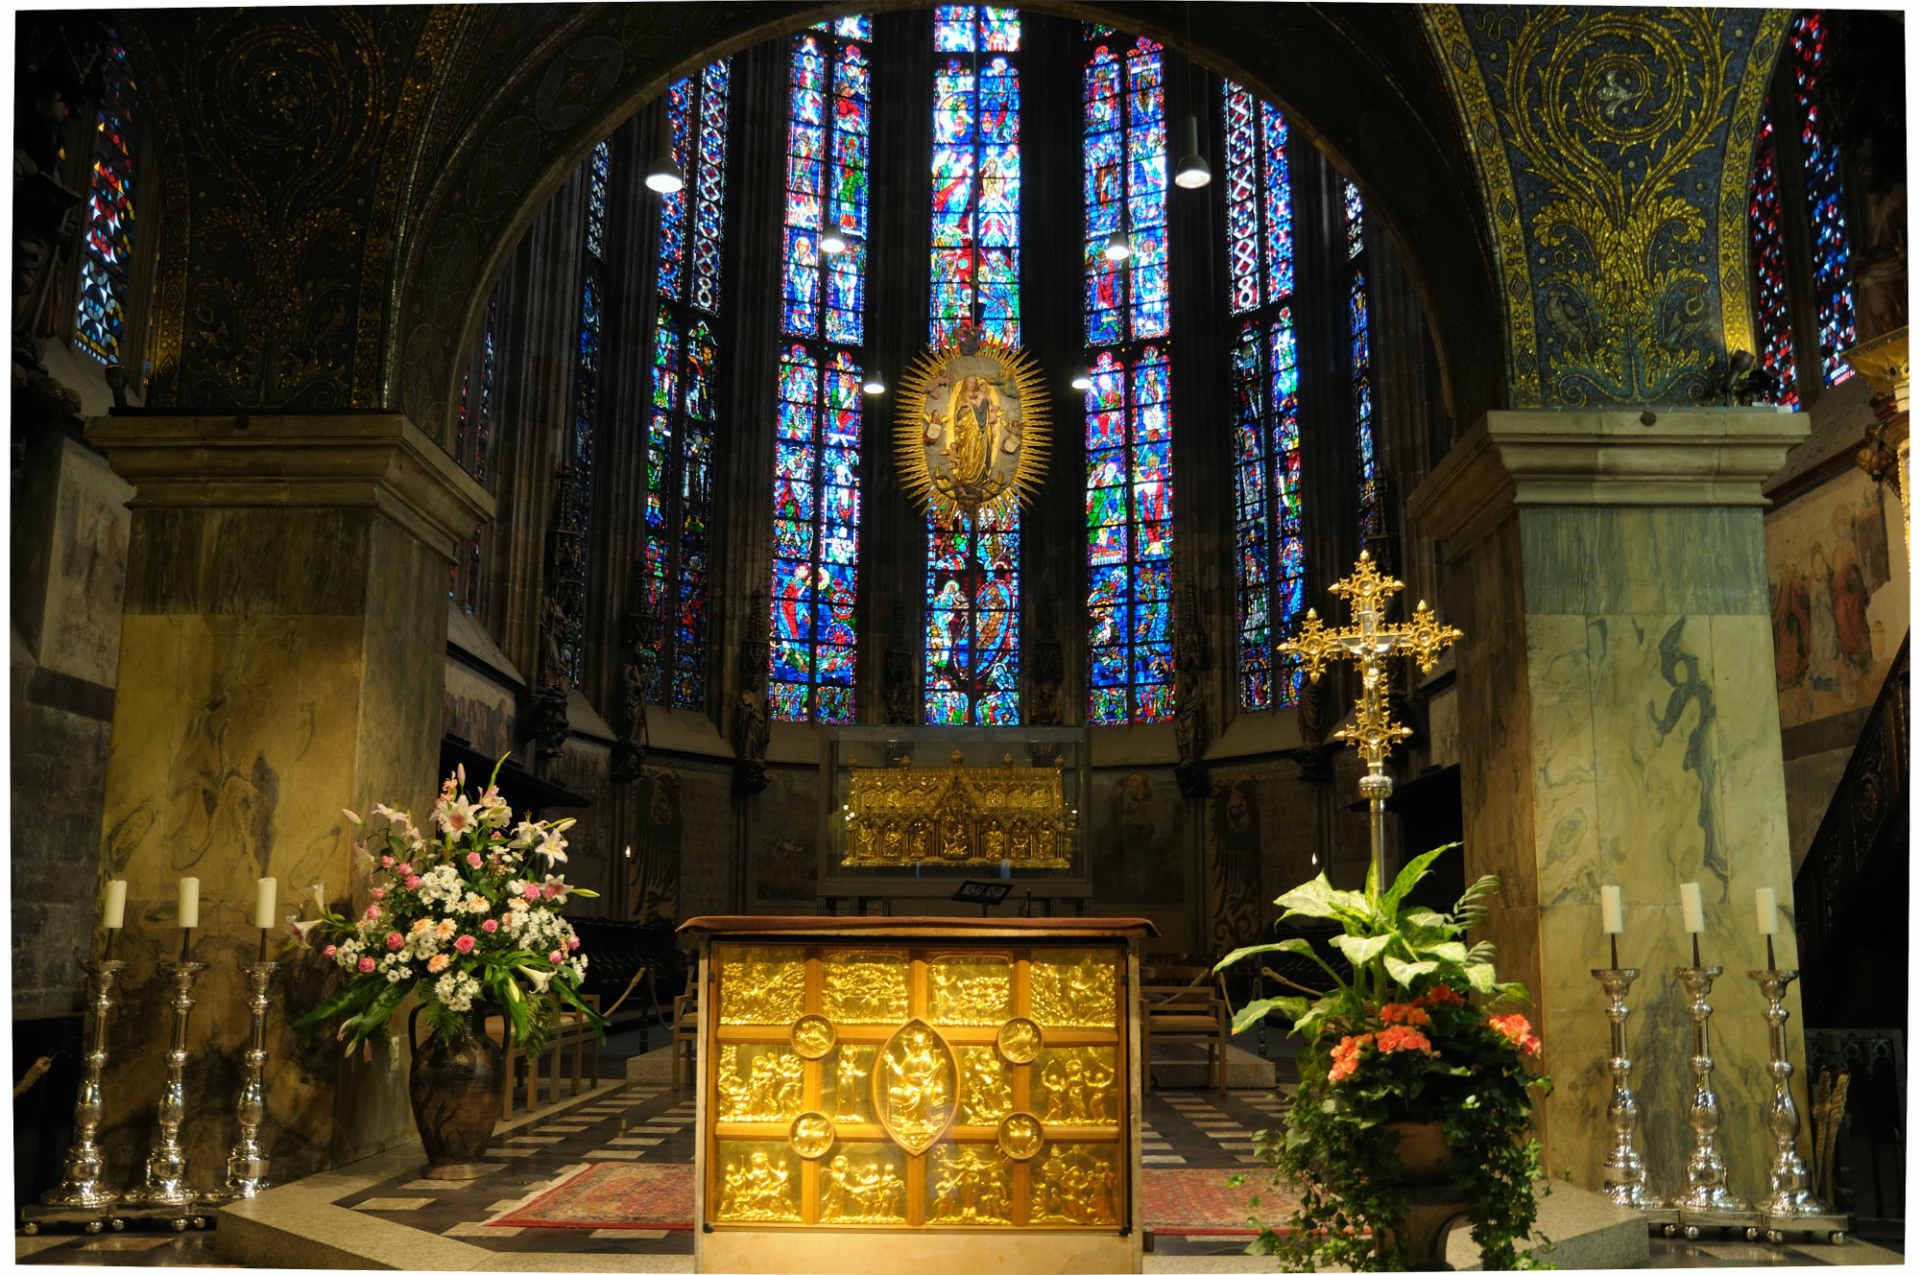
573 945
366 965
413 883
395 941
463 944
386 861
556 956
329 951
489 925
378 892
473 858
373 912
405 869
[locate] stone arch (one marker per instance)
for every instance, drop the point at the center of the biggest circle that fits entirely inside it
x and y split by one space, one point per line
1375 102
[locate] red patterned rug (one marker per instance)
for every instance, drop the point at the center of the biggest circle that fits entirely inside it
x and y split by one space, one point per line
626 1197
659 1197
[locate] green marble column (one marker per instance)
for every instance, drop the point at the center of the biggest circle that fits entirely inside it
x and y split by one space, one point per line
1618 725
283 653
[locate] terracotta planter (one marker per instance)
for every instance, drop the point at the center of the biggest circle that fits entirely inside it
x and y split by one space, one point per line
1423 1156
1435 1199
455 1092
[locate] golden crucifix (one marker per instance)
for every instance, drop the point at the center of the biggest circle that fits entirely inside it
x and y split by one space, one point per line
1368 641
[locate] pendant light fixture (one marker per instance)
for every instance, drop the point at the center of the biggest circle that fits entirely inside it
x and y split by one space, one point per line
873 385
663 173
1193 173
831 242
1082 380
1119 247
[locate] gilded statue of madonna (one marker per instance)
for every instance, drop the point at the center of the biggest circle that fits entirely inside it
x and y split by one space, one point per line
971 430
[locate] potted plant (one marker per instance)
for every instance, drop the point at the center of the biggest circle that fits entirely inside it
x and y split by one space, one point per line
1414 1107
465 914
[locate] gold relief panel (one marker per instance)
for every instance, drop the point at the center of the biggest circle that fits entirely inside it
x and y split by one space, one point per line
865 1184
758 1083
810 1135
1018 1040
1078 1185
813 1036
1073 989
914 1084
1077 1085
1020 1136
986 1085
845 1093
761 986
864 987
970 991
969 1185
759 1182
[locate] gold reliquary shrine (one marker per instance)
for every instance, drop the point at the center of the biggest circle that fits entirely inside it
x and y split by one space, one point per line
958 815
957 1077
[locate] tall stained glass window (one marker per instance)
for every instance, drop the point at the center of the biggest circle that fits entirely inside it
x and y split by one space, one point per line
1270 550
679 499
1360 365
816 481
1767 250
972 664
473 445
569 587
1129 429
1826 201
106 251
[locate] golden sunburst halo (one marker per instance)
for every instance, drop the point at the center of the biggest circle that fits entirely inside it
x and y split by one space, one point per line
999 487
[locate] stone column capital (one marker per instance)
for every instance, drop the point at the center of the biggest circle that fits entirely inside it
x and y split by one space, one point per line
370 460
1698 456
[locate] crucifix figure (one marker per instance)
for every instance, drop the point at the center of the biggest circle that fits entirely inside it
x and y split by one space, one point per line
1368 641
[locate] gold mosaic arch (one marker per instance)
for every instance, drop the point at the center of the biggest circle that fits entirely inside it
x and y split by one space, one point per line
1736 179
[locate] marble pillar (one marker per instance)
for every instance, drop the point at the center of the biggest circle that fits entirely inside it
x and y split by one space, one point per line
282 656
1618 725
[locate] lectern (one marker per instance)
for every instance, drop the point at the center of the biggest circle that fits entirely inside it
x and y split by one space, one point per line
918 1093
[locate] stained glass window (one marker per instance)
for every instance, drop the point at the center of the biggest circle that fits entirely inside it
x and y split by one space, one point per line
972 665
473 445
1767 246
816 515
574 517
676 556
1826 200
1360 365
1128 411
106 251
1269 545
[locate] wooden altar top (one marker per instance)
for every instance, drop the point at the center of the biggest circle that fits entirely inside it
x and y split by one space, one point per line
928 926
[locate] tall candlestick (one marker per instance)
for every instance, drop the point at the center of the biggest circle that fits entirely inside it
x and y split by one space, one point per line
1789 1205
1691 912
247 1160
1624 1170
113 911
1706 1198
81 1185
189 902
166 1176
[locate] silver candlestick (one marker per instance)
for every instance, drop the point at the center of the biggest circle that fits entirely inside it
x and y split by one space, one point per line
166 1181
1706 1201
247 1161
1624 1172
82 1196
1789 1205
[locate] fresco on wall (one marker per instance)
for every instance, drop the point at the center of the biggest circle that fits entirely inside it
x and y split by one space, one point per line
1135 842
653 871
781 853
479 710
81 633
1827 559
1234 901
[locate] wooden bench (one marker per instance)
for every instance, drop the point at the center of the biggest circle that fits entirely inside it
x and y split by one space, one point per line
571 1031
686 1028
1185 1005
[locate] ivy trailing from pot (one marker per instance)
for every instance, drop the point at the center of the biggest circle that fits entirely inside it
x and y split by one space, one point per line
1415 1100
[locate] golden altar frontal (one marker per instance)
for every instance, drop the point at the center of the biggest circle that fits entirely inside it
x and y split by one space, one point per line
958 816
963 1093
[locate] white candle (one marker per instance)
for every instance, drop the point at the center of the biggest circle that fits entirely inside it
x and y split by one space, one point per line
113 914
263 899
1613 914
1766 910
189 902
1691 912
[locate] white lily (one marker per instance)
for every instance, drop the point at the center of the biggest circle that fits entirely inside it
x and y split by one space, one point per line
539 978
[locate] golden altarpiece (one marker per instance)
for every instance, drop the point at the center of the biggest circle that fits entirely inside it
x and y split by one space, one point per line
947 1091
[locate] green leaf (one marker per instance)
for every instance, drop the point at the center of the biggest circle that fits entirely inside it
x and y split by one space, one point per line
1315 898
1239 954
1359 951
1412 875
1253 1011
1479 977
1450 952
1404 972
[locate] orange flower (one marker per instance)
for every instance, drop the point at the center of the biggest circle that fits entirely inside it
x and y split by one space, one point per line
1518 1032
1440 995
1346 1057
1395 1039
1404 1012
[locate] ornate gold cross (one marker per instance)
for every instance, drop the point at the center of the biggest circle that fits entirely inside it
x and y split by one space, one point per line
1368 641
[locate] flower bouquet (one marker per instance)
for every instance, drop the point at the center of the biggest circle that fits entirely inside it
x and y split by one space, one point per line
466 913
1405 1081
